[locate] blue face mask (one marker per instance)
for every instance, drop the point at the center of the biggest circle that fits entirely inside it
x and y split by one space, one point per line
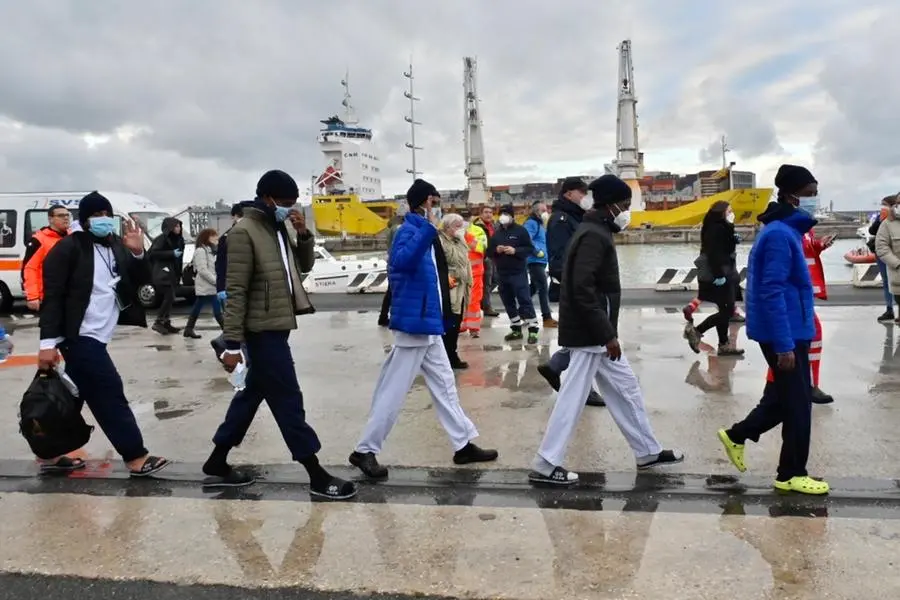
101 226
281 213
808 205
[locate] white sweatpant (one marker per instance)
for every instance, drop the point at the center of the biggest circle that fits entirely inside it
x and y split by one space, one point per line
397 375
624 400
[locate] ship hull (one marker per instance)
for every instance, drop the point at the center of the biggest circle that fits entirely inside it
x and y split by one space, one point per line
747 204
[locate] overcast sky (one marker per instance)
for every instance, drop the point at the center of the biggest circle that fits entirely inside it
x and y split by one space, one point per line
191 100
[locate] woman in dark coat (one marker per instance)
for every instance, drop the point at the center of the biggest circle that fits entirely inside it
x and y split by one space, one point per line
717 277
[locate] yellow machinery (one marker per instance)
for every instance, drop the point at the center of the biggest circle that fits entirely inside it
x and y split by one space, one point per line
746 204
348 214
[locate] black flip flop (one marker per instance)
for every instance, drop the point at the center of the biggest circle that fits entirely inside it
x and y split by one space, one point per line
335 489
151 466
236 478
64 464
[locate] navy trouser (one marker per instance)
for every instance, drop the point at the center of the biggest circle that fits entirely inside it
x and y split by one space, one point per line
100 386
271 378
559 361
538 274
516 296
201 301
786 401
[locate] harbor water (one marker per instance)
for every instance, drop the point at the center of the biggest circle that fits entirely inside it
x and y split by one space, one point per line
640 264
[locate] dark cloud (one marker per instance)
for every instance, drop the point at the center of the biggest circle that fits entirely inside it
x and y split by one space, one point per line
219 90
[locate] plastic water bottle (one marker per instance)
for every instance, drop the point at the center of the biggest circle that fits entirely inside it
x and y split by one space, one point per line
238 377
66 380
6 346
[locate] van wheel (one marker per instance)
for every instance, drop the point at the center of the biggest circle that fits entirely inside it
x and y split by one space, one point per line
6 299
148 297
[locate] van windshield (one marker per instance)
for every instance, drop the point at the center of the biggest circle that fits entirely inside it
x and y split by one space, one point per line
150 222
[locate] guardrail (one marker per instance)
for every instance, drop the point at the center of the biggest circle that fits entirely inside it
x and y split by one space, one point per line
683 279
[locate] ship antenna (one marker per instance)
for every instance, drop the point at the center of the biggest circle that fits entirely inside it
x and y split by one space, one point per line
411 119
349 113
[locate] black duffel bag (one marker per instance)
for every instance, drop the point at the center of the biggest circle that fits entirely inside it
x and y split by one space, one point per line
50 417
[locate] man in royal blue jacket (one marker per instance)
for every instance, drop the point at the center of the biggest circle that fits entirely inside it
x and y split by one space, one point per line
420 308
779 307
536 226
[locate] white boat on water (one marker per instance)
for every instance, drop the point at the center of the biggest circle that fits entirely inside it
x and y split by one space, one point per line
336 275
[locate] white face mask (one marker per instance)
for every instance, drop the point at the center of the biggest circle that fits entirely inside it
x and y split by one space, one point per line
465 225
587 203
896 209
460 233
505 219
545 216
623 219
730 217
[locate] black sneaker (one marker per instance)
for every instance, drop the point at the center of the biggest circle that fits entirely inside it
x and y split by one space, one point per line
490 312
218 346
738 318
333 489
514 335
820 397
887 317
368 464
235 478
171 328
471 453
550 375
161 329
664 458
559 476
729 350
459 365
595 399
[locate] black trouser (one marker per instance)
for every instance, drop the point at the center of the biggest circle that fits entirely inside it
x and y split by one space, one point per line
100 386
385 306
516 297
488 280
786 401
168 299
537 273
719 320
451 338
271 377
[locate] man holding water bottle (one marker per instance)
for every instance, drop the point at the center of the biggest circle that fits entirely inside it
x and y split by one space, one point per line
268 250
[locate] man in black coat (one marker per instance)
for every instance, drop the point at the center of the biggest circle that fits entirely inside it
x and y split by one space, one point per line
589 302
567 213
91 283
509 249
165 259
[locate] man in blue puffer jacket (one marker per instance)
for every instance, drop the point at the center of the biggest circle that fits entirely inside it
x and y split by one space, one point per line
779 307
536 226
420 308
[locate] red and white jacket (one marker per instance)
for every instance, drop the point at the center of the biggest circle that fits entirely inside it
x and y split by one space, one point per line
812 250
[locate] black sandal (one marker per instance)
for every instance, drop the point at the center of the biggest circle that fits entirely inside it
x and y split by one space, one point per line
334 489
151 466
64 464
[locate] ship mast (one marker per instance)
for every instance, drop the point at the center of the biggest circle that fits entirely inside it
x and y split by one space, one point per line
473 142
349 113
411 119
628 162
725 163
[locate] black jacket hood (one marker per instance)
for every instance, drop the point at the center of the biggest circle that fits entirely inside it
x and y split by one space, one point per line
567 206
169 223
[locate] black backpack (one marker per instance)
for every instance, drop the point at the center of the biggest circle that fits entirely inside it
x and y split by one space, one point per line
50 417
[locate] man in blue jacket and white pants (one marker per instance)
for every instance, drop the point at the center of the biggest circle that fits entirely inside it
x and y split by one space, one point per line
420 305
779 307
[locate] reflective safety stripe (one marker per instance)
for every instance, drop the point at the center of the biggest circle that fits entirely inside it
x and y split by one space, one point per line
476 262
811 262
814 345
817 289
815 358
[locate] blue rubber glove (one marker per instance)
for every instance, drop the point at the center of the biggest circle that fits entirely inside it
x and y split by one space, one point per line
221 296
177 252
719 281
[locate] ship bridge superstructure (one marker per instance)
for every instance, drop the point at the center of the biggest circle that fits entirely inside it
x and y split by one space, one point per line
351 161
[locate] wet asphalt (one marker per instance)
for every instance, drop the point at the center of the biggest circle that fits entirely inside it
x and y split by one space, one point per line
41 587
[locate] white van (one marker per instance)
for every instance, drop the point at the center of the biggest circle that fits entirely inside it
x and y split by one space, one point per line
21 214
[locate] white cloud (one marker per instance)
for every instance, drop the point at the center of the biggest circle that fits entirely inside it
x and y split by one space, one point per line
192 101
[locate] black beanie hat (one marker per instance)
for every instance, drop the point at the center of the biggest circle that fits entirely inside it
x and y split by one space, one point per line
572 183
508 209
277 185
418 193
92 204
609 189
792 178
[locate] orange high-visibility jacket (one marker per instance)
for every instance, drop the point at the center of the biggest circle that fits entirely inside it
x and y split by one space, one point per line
41 243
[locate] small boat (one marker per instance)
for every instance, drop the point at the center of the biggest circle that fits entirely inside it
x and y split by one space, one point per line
860 256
